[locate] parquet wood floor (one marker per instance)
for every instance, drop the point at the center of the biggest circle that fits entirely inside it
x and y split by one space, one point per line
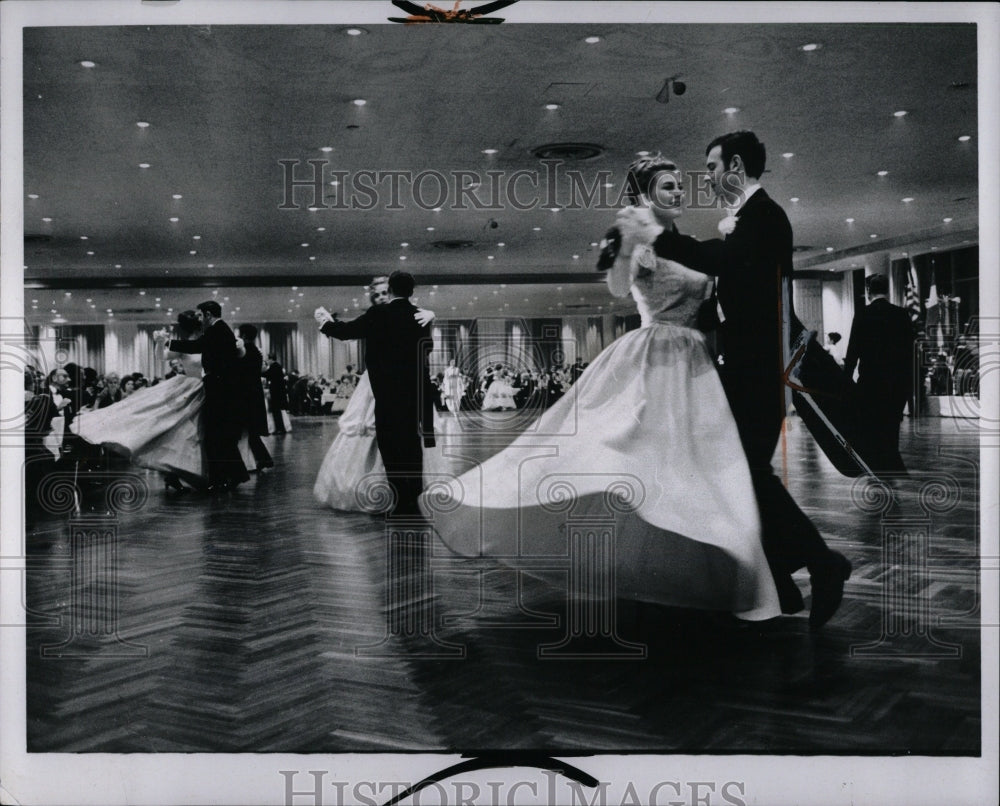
240 621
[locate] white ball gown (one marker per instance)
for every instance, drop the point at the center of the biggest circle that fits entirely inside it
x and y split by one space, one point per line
499 396
645 441
158 427
352 477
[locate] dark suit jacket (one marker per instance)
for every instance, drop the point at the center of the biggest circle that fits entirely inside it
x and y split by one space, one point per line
217 346
225 408
250 386
276 386
396 351
752 263
882 341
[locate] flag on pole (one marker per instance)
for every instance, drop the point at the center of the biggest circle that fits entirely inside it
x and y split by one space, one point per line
933 323
912 300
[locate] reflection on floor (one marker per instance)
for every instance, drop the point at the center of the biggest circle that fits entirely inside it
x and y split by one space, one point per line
262 622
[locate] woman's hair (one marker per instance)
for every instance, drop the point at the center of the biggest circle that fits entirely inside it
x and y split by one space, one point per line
247 332
187 322
642 173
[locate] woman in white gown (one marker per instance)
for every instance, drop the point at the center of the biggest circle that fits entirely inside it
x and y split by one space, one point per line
352 477
500 395
160 427
453 387
645 441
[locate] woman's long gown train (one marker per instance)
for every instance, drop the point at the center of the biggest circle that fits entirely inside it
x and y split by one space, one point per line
644 449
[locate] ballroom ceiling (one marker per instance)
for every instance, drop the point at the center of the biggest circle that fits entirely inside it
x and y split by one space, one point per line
225 106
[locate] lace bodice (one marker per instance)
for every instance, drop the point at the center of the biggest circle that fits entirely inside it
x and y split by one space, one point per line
666 291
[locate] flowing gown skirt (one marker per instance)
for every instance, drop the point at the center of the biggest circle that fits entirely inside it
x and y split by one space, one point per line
644 444
158 427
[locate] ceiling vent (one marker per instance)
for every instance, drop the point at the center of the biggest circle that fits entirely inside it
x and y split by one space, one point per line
568 152
452 244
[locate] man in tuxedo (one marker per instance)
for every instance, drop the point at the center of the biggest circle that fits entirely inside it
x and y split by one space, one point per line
277 391
223 414
397 347
881 342
753 267
250 369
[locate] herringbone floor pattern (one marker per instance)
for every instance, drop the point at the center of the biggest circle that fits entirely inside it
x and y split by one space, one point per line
258 622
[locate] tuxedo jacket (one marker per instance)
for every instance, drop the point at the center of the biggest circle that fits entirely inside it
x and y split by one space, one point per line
882 341
250 366
217 347
753 265
396 352
276 386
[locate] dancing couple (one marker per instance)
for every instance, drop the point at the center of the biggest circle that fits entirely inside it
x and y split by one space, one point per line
706 522
199 426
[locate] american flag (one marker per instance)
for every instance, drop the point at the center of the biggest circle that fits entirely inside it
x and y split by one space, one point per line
934 318
912 300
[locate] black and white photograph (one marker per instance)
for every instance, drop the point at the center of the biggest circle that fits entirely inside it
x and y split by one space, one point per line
499 403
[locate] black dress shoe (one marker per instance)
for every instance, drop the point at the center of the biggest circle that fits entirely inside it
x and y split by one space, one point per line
828 589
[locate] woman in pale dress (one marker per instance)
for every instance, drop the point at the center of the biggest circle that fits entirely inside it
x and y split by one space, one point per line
644 444
159 429
453 387
352 477
500 395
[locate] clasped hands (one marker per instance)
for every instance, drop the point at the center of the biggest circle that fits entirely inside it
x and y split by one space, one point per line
638 226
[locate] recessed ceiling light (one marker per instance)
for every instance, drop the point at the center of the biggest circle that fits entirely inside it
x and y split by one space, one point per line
312 209
90 253
335 182
554 209
731 110
437 209
359 102
430 229
552 107
794 198
355 31
899 114
501 243
142 293
873 235
211 265
788 154
592 40
118 265
326 148
178 196
490 257
642 153
32 195
908 199
88 64
829 249
964 138
143 164
174 219
883 173
576 257
142 124
46 219
195 237
305 244
537 229
404 244
320 229
946 220
192 252
849 220
402 257
489 151
83 237
811 46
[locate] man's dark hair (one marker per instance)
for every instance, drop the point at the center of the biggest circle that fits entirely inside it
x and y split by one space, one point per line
835 337
247 332
272 356
401 284
746 144
187 323
211 307
877 284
